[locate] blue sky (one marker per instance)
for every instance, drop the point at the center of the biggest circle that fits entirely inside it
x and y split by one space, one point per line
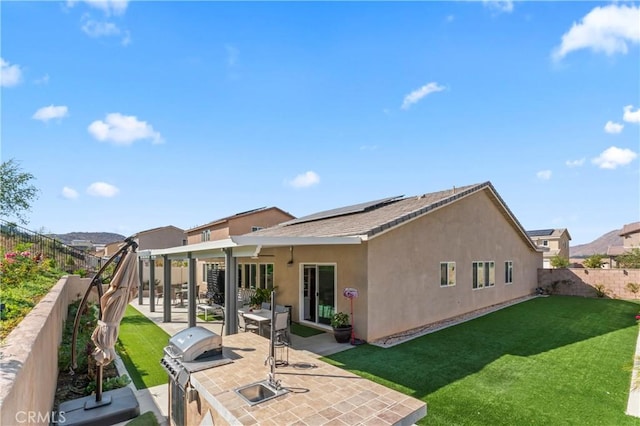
134 115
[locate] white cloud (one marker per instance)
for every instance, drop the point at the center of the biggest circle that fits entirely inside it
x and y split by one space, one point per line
101 189
606 29
305 180
449 18
69 193
123 130
100 29
575 163
544 174
45 114
501 6
420 93
109 7
612 127
613 157
631 116
43 80
10 75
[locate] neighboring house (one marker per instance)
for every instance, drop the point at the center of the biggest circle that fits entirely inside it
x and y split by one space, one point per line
414 260
237 224
84 245
630 239
162 237
554 242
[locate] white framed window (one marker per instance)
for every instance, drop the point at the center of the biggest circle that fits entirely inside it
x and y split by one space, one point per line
545 243
265 273
508 272
484 274
256 228
205 235
447 274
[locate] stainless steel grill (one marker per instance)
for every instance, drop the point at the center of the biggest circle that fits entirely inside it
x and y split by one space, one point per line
190 350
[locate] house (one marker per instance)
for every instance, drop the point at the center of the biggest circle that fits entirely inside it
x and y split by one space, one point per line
413 260
554 242
236 224
630 234
157 238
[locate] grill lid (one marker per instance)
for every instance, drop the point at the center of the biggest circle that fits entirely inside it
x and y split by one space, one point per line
193 343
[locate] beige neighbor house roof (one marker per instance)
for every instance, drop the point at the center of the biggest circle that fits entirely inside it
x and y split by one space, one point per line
630 228
236 216
147 231
370 219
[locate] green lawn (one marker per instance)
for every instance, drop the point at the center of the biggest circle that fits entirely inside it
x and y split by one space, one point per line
549 361
140 345
304 331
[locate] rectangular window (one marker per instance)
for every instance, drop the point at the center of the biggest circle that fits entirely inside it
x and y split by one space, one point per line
447 274
508 272
484 274
206 235
545 243
266 275
247 275
256 228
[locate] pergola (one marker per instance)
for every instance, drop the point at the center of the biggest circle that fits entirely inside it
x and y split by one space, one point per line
229 249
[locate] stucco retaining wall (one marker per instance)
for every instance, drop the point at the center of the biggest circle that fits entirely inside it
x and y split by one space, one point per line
29 356
582 281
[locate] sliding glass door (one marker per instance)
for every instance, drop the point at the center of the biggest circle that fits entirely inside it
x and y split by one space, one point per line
318 293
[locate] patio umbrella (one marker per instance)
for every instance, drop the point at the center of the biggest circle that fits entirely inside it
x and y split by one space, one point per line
123 288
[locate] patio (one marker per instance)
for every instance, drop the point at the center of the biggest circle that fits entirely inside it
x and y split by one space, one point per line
304 351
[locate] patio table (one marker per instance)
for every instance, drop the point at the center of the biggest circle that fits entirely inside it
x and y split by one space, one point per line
262 316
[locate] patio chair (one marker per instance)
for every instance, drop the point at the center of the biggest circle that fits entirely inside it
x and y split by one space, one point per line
281 328
246 326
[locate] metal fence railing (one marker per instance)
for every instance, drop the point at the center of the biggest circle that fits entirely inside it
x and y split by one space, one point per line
66 257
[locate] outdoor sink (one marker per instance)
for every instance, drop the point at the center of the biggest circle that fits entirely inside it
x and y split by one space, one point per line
258 392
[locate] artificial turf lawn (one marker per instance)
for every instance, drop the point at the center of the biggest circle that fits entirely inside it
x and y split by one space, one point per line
548 361
303 331
140 345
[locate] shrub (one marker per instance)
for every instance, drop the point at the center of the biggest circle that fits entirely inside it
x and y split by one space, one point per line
633 287
594 261
601 291
558 261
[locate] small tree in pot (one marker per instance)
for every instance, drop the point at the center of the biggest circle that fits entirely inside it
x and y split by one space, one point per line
341 327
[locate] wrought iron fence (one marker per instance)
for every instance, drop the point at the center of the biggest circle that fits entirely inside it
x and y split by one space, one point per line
66 257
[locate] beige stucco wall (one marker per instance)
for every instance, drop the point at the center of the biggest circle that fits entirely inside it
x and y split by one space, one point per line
631 240
264 219
351 271
161 238
582 281
29 355
404 266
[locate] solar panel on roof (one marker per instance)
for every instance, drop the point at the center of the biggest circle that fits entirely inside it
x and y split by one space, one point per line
341 211
540 233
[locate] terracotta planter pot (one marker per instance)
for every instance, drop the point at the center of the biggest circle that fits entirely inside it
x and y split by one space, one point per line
342 335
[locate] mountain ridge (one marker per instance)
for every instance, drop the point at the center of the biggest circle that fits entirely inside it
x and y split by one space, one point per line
597 246
94 237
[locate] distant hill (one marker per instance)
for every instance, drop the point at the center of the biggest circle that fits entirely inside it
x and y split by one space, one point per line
597 246
94 237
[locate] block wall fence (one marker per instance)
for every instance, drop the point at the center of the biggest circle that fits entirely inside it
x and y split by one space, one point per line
583 281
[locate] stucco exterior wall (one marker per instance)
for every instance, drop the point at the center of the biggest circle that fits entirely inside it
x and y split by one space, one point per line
161 238
404 266
631 240
351 271
264 219
29 356
583 281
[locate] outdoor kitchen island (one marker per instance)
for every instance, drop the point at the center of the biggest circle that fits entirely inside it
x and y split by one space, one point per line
317 393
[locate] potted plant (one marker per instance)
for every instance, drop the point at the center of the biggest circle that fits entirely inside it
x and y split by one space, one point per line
260 296
340 322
